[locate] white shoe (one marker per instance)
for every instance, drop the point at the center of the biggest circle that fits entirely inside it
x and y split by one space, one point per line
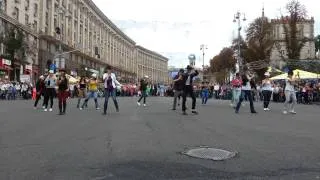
285 112
50 109
97 108
80 108
43 107
45 110
144 105
293 112
265 109
138 104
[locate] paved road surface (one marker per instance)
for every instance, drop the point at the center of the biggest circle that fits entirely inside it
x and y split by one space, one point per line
146 143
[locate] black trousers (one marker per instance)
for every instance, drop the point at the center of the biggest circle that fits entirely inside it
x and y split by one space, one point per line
50 93
38 97
188 90
266 98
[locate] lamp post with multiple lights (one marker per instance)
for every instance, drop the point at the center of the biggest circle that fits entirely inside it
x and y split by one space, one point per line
237 19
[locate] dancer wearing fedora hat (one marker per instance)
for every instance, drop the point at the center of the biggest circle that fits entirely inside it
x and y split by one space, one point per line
63 92
188 89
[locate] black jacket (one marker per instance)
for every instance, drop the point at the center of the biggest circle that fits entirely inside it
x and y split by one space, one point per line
192 75
178 85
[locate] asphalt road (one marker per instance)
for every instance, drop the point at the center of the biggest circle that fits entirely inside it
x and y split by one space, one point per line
146 142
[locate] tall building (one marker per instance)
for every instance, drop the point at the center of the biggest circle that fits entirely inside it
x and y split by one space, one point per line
23 14
305 31
77 36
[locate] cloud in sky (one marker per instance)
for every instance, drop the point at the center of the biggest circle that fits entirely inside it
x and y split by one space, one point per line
177 28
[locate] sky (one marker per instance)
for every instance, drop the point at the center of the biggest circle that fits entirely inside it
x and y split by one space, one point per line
177 28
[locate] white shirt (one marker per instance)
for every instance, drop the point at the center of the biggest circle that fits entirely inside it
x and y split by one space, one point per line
247 87
188 81
114 80
289 87
266 86
216 87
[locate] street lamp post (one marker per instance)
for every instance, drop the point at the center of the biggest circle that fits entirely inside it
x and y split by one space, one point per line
203 48
237 19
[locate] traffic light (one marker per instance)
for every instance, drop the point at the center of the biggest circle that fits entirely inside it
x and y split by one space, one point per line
58 31
96 52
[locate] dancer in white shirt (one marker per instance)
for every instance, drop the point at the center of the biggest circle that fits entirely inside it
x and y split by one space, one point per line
290 93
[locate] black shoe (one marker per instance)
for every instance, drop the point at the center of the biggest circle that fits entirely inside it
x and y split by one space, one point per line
104 113
184 113
194 112
178 104
254 112
173 109
237 112
117 110
61 113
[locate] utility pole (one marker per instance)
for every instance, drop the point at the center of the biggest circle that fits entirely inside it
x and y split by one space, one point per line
237 19
203 48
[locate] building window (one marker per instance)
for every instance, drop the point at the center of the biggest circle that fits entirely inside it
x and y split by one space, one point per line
27 5
35 10
35 25
26 20
16 13
48 4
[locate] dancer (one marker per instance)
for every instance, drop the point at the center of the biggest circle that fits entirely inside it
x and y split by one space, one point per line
93 92
82 90
50 83
290 93
110 87
143 89
266 91
247 85
40 88
63 92
178 88
236 90
205 92
188 89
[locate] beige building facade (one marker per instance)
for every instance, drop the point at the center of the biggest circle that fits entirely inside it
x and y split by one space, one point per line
88 40
25 15
305 30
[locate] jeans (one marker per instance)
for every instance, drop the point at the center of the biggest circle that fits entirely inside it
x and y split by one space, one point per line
290 97
205 95
107 94
266 98
235 96
91 94
245 93
188 90
144 96
177 94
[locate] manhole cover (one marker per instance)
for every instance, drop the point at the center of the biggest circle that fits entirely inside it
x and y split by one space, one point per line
210 153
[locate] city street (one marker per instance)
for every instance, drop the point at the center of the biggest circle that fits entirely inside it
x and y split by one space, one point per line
146 142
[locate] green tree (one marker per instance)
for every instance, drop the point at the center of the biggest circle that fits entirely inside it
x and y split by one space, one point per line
294 42
259 45
13 40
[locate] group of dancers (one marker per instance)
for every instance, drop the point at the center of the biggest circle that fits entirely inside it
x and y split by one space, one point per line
242 86
46 86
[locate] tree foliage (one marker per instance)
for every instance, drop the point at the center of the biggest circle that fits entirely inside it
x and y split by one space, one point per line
259 44
222 64
294 43
15 45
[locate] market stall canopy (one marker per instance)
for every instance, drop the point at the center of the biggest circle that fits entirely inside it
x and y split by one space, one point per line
300 73
272 69
71 79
